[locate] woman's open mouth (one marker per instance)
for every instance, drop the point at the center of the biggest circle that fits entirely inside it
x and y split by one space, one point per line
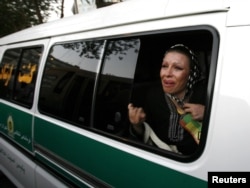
168 83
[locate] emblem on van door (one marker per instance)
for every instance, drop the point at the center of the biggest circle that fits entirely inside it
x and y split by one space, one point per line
10 126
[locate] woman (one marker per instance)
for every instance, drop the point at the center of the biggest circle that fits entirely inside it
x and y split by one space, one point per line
180 95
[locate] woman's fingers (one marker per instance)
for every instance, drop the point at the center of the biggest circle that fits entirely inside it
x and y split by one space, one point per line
136 115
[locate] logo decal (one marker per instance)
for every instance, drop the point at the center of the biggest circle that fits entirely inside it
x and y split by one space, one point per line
10 125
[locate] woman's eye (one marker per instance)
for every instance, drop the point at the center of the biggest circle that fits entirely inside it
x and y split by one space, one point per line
178 68
164 66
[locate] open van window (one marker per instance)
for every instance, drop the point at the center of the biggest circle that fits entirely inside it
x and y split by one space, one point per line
114 92
147 76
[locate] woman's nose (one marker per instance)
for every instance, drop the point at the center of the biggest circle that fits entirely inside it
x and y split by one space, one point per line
168 72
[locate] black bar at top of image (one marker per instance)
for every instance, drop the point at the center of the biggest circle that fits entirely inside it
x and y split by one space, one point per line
233 179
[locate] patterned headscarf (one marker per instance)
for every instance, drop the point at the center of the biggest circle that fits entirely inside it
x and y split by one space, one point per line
194 75
176 132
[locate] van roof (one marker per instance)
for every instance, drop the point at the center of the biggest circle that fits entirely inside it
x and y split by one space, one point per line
130 11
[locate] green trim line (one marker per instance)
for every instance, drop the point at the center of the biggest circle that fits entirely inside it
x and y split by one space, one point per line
16 125
111 165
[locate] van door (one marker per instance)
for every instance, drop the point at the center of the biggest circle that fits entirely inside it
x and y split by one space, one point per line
18 72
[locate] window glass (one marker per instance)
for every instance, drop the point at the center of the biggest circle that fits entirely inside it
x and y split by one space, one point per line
68 81
115 84
8 69
26 77
18 74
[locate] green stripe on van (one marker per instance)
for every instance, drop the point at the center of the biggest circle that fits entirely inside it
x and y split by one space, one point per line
17 125
111 165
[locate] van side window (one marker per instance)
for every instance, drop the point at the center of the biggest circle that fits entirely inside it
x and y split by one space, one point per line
68 81
131 68
90 83
18 75
147 88
115 84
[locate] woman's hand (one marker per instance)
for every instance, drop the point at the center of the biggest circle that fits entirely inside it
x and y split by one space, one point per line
136 115
196 110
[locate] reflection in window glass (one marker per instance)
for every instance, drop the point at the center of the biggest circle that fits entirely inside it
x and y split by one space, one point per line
120 59
26 77
8 68
115 85
18 74
68 81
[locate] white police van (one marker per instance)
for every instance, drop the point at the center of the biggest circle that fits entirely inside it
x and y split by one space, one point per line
65 87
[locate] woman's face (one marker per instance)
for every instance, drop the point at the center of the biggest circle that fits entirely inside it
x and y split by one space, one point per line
174 73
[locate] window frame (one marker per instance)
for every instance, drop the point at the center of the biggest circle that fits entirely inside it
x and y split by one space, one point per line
19 63
209 96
